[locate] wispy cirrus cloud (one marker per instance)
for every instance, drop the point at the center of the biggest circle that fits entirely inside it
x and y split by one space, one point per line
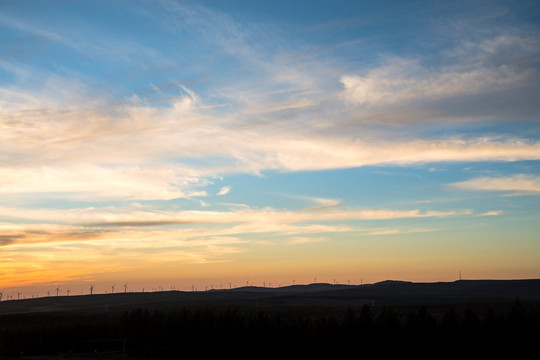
499 65
491 213
520 184
27 226
306 240
406 82
87 139
398 231
130 216
77 37
102 183
95 158
224 191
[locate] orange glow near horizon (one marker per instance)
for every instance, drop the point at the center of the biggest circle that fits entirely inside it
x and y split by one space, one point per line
152 274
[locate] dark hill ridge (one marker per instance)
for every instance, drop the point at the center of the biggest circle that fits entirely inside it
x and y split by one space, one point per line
387 293
446 292
309 288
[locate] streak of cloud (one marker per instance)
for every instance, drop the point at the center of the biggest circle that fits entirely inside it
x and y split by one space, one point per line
224 191
520 184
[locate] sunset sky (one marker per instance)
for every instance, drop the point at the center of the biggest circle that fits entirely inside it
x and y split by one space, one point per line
223 143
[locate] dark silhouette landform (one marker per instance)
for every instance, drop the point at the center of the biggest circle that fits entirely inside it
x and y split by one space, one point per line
476 318
386 293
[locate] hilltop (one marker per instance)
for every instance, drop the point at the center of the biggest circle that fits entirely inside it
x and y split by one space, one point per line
386 293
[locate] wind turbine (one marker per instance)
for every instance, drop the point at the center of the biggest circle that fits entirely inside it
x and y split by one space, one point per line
112 288
68 292
48 292
315 280
91 289
1 295
125 288
57 290
18 295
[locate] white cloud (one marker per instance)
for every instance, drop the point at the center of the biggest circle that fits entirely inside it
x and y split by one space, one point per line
124 221
407 81
224 191
490 63
516 184
101 183
398 231
62 137
491 213
142 152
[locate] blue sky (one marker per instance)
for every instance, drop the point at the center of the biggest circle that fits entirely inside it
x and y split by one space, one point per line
185 142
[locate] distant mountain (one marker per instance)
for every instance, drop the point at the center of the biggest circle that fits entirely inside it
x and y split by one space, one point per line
385 293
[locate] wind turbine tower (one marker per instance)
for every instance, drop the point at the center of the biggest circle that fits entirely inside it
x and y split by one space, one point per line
112 288
91 289
125 288
57 290
18 295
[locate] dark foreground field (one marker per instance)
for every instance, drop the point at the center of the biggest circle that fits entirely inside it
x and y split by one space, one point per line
462 318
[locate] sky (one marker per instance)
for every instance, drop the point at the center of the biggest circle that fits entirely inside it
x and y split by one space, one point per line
214 144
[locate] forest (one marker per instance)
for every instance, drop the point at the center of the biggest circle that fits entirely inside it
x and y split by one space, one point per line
251 333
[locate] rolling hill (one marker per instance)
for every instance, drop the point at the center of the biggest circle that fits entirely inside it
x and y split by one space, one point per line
386 293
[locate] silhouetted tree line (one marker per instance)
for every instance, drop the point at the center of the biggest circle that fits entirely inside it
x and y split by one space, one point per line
273 333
